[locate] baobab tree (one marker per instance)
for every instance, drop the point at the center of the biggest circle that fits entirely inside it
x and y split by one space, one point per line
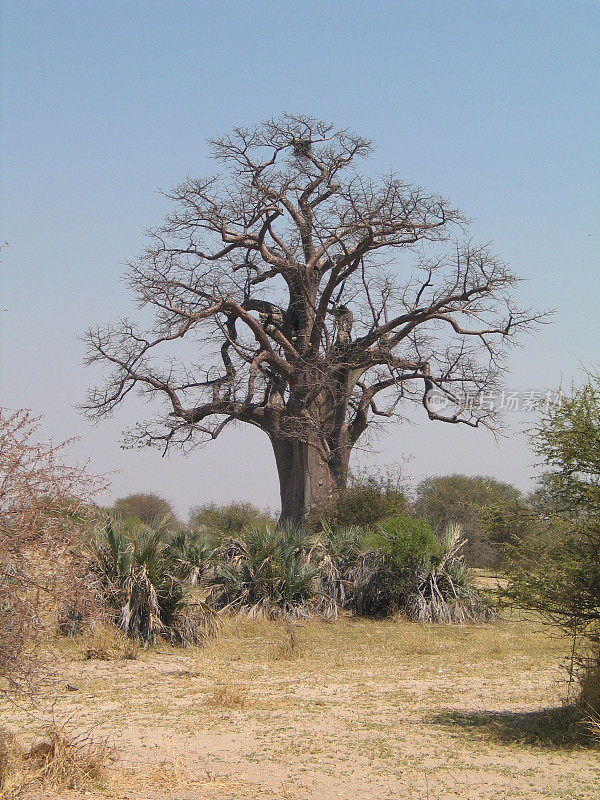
309 300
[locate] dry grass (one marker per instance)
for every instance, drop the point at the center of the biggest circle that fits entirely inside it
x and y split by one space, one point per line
590 686
357 709
173 774
62 760
590 699
591 721
10 763
102 643
290 647
228 694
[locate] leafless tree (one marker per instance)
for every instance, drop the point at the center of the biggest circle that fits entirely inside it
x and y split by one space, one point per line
308 300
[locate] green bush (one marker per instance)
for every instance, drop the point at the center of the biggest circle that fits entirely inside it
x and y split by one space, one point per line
363 503
408 569
556 569
397 551
409 542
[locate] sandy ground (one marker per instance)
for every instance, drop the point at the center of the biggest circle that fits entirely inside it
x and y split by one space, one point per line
360 709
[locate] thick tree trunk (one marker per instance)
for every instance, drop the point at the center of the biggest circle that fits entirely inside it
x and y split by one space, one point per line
305 479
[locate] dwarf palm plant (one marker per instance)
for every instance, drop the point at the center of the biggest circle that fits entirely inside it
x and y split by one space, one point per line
398 549
335 553
191 552
408 569
375 590
137 573
442 591
266 574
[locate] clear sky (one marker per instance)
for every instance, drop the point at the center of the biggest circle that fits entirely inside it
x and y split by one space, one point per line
493 104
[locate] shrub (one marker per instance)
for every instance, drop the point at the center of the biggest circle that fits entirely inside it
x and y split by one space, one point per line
78 612
398 550
61 761
375 586
556 570
408 541
44 507
589 679
408 569
442 590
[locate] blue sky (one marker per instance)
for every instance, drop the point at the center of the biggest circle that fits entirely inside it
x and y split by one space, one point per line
493 104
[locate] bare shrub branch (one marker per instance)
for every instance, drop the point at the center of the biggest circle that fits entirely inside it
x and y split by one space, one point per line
44 504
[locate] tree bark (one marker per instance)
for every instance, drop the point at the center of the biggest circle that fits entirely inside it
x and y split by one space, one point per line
306 479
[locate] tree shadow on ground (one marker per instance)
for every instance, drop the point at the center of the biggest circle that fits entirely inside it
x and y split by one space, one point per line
548 727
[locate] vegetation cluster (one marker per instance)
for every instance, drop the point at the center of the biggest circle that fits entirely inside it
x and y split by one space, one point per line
160 581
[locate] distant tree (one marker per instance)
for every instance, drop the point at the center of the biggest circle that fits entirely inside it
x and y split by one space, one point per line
149 508
302 297
463 499
507 523
231 519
